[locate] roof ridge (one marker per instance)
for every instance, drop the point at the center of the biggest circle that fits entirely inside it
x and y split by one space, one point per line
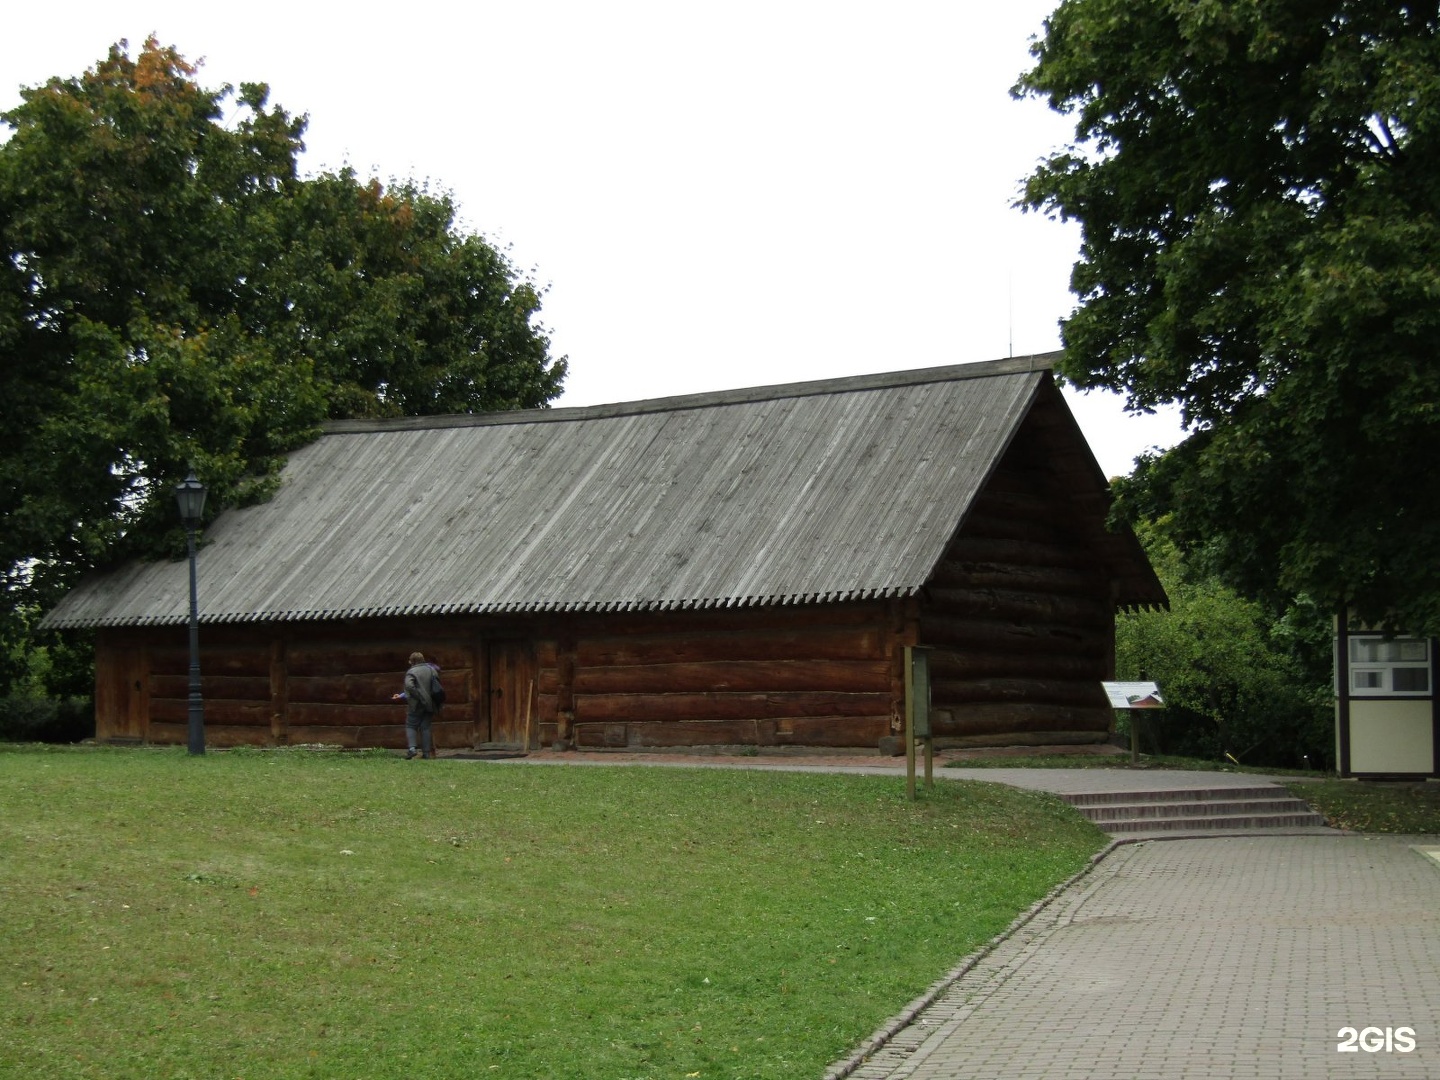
1014 365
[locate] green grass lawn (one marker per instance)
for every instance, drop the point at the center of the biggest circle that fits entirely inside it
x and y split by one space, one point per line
1116 761
301 914
1363 806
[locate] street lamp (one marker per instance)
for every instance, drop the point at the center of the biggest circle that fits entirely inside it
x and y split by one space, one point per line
190 495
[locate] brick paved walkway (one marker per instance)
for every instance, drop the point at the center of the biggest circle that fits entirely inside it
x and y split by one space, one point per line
1239 957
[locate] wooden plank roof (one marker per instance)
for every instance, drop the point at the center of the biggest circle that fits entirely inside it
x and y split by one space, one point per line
809 492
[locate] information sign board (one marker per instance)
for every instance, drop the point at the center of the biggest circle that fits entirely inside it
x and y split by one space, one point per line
1134 695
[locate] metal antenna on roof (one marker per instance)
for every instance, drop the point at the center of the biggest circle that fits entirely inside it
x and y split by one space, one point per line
1010 301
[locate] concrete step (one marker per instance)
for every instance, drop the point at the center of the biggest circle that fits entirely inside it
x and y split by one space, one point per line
1215 823
1205 808
1101 798
1126 813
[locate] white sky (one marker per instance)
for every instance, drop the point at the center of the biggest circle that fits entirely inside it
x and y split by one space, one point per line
718 195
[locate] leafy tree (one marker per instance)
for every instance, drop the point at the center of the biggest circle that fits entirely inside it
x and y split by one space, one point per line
400 314
1258 183
1236 680
173 295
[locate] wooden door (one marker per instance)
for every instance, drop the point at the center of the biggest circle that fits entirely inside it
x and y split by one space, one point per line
121 697
512 693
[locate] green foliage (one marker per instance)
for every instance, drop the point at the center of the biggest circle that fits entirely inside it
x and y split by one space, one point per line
27 718
1258 185
284 914
48 686
173 296
1236 679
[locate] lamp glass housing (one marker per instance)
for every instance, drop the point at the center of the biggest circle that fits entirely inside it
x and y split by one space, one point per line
190 496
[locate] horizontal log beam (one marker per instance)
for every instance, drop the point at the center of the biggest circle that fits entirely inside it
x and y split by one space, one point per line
947 663
342 689
229 662
340 658
1082 694
168 733
237 687
221 711
367 689
692 707
820 643
1019 552
1019 605
823 731
827 731
992 526
337 658
325 714
995 635
752 676
1053 580
1018 476
1023 504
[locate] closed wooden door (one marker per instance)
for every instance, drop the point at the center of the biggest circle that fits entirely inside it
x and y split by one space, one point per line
512 693
121 700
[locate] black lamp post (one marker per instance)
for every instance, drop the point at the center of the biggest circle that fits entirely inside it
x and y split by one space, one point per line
190 495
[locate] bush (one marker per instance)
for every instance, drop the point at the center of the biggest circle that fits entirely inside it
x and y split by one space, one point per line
24 718
1238 678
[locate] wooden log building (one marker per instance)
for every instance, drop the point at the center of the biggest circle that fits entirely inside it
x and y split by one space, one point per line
737 568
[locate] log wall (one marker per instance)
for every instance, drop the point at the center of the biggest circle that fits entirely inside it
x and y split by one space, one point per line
267 686
815 676
804 676
1020 619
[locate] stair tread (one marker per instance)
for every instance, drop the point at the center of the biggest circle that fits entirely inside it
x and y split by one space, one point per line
1243 806
1167 822
1205 810
1094 798
1285 821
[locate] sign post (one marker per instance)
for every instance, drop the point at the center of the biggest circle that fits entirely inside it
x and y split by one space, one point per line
1134 695
917 715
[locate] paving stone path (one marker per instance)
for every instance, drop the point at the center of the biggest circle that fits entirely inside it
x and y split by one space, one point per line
1200 959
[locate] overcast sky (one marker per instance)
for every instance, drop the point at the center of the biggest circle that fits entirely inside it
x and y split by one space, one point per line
716 195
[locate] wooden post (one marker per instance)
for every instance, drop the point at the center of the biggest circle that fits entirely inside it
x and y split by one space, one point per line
566 661
529 696
476 689
279 691
909 727
917 715
920 691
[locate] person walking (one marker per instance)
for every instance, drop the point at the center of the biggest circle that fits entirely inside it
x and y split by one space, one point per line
423 695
